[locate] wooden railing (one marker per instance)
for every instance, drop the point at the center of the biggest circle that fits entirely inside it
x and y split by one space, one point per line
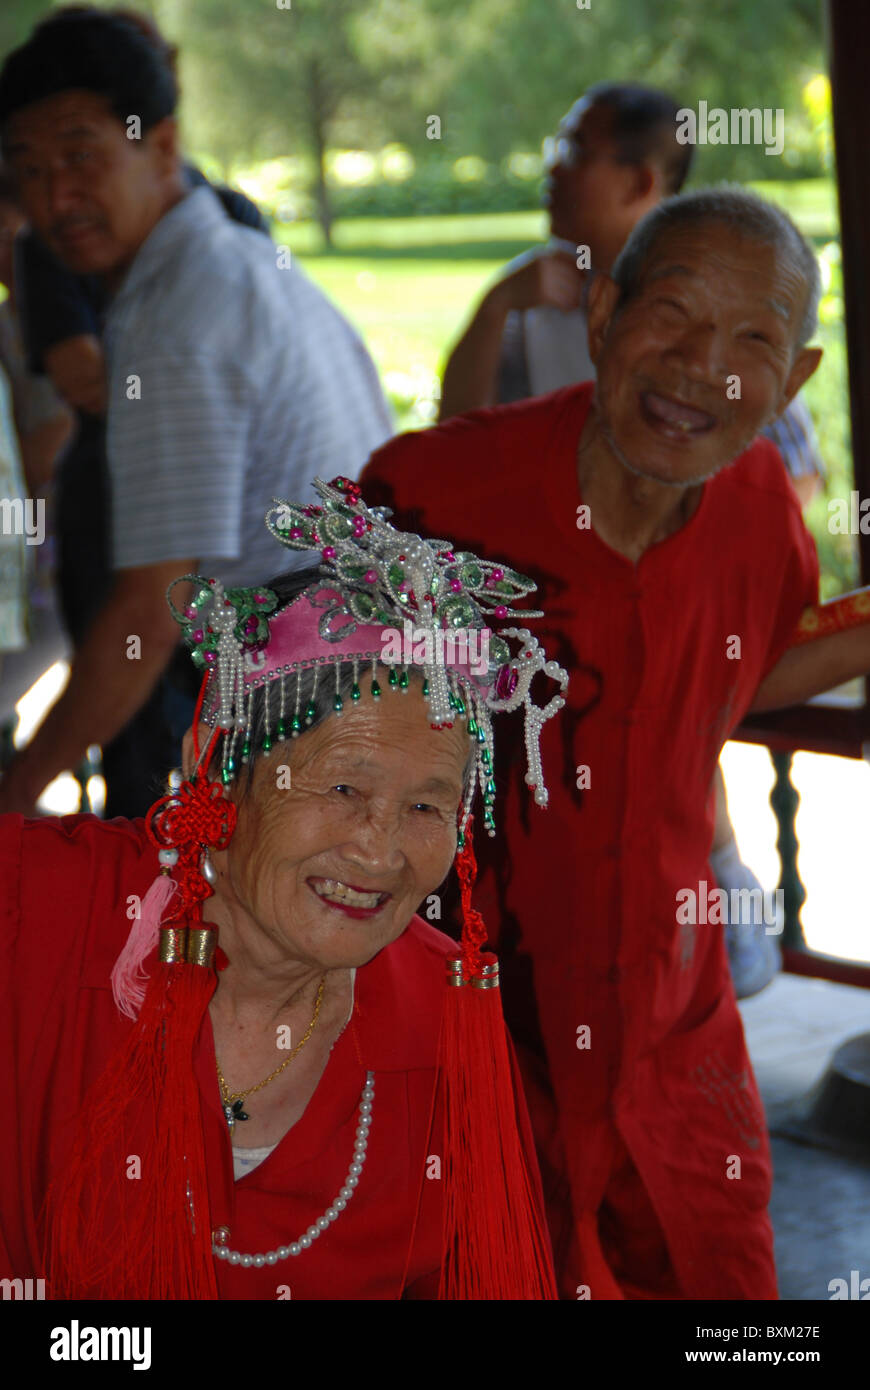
837 725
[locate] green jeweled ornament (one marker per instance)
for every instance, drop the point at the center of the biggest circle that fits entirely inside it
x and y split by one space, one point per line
338 704
403 680
472 725
282 729
426 690
376 690
267 744
310 711
355 692
394 679
295 725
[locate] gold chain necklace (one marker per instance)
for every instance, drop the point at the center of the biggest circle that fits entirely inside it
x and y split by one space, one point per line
232 1100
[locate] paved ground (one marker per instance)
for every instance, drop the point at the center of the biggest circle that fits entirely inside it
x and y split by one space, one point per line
821 1200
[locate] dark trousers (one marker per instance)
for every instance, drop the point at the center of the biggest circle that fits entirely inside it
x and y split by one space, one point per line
136 762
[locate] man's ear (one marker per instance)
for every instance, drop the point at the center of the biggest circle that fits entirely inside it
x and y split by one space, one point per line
164 139
600 307
804 365
646 184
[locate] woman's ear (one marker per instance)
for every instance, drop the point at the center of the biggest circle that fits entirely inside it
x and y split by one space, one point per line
188 758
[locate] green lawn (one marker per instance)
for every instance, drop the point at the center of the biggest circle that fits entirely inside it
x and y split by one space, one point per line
408 283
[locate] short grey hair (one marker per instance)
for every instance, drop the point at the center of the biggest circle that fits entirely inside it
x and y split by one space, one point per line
734 207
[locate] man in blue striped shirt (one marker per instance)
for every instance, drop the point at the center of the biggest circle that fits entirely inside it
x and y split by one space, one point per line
232 379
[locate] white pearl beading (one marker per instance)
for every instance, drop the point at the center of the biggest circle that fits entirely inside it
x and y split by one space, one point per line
332 1213
531 659
230 663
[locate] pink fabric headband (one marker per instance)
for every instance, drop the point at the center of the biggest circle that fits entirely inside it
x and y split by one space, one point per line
295 642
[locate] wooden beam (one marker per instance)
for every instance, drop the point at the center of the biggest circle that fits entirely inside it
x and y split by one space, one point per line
850 45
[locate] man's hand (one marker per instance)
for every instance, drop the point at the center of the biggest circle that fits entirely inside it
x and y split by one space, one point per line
470 375
77 367
40 449
552 279
125 653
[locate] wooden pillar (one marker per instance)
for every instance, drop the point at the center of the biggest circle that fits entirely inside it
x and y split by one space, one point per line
849 28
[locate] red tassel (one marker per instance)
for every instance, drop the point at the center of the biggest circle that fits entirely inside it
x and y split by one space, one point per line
109 1236
149 1237
496 1244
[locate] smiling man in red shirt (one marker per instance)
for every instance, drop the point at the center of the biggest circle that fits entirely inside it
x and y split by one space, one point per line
673 564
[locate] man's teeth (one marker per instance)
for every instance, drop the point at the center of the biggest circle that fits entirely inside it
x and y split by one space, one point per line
339 892
677 413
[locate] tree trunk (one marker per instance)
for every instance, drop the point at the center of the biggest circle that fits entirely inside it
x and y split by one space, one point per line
317 125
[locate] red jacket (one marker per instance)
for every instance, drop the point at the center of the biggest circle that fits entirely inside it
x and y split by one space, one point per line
583 894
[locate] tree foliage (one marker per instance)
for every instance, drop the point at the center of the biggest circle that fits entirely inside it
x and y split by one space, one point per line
260 80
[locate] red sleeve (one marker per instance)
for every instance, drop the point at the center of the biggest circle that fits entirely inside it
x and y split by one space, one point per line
421 475
63 890
799 588
384 478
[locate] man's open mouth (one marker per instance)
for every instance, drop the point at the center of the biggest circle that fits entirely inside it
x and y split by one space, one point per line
671 415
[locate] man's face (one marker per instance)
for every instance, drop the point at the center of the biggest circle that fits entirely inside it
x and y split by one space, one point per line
92 194
586 186
702 357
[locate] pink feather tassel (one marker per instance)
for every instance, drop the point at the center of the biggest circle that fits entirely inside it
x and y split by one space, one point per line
128 977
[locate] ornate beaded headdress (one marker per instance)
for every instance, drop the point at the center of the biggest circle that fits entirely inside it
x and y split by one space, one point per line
386 597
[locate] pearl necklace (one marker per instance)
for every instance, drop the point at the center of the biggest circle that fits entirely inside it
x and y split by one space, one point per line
332 1213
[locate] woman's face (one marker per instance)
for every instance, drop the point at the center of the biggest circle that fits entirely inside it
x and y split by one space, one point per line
332 860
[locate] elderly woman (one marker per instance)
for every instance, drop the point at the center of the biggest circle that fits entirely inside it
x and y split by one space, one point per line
260 1119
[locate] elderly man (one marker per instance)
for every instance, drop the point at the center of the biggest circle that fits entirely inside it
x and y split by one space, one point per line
673 563
231 378
614 159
